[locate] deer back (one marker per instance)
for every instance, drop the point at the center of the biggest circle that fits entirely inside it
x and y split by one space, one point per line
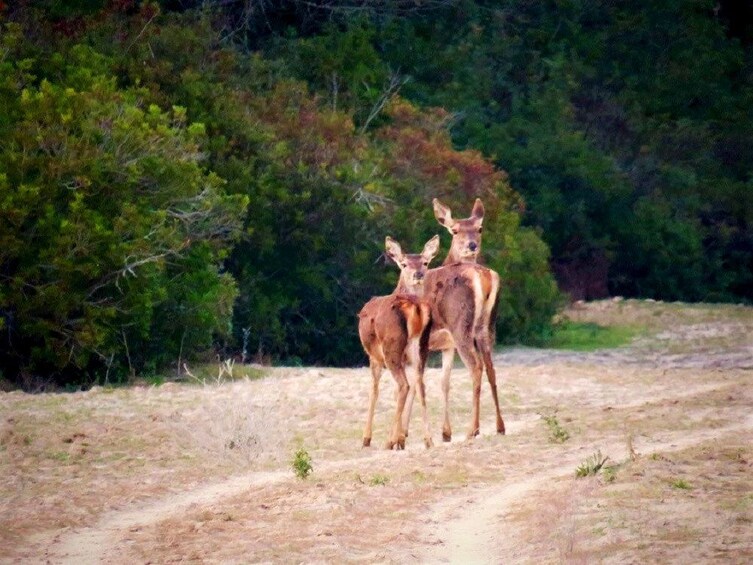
463 298
386 324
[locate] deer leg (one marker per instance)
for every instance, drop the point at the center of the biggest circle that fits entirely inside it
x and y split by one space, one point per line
418 365
448 356
472 360
491 375
414 360
397 439
475 426
422 396
409 404
376 374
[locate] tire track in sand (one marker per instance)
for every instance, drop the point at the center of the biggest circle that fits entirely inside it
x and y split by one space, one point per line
471 522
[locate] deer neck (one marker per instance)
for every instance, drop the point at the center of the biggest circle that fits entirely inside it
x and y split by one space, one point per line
405 288
453 258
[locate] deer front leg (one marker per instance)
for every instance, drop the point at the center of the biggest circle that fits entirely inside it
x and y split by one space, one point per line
376 374
448 356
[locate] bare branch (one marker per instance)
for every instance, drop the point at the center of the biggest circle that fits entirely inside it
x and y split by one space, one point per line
395 84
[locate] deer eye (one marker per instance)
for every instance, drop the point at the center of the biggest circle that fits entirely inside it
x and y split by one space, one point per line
480 230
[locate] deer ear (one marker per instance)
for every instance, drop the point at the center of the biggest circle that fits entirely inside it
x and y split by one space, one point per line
430 249
478 210
443 214
393 249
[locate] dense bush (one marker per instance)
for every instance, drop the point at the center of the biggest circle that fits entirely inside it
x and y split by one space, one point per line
112 232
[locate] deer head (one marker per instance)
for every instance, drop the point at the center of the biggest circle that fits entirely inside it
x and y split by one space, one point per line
413 267
466 234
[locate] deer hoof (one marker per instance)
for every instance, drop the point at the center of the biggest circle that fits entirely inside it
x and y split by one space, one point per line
389 445
428 442
446 437
366 441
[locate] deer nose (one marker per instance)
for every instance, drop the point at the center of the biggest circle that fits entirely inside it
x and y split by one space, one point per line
419 275
472 246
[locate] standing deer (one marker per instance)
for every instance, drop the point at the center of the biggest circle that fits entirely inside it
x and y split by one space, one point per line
463 297
394 332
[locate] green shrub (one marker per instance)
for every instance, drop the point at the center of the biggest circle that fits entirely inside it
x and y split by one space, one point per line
591 466
302 466
557 434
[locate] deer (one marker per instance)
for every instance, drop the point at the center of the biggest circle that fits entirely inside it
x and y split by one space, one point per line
394 331
463 297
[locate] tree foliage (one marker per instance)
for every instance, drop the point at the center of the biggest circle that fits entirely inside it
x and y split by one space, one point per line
182 177
112 230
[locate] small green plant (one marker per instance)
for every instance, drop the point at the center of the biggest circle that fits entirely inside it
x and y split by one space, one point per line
591 466
681 484
609 473
557 434
302 466
379 480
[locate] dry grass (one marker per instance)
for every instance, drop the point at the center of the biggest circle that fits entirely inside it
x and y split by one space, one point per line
672 410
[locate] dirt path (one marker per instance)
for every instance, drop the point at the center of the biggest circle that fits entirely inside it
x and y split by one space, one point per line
102 543
473 528
98 544
470 522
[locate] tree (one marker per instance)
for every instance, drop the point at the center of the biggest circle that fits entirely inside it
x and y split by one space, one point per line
105 208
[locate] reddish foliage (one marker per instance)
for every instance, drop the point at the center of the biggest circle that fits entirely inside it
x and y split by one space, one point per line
317 138
423 146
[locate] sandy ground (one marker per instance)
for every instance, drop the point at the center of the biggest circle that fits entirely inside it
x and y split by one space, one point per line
191 473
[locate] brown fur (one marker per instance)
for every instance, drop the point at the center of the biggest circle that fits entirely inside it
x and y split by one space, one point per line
464 297
464 309
394 332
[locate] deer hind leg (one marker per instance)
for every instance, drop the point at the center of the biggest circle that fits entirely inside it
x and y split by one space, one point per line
488 331
376 374
413 359
448 357
491 375
428 442
397 438
473 361
417 365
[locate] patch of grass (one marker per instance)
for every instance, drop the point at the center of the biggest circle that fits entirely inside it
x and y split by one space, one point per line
587 336
379 480
681 484
301 463
419 477
62 456
591 466
557 434
610 473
